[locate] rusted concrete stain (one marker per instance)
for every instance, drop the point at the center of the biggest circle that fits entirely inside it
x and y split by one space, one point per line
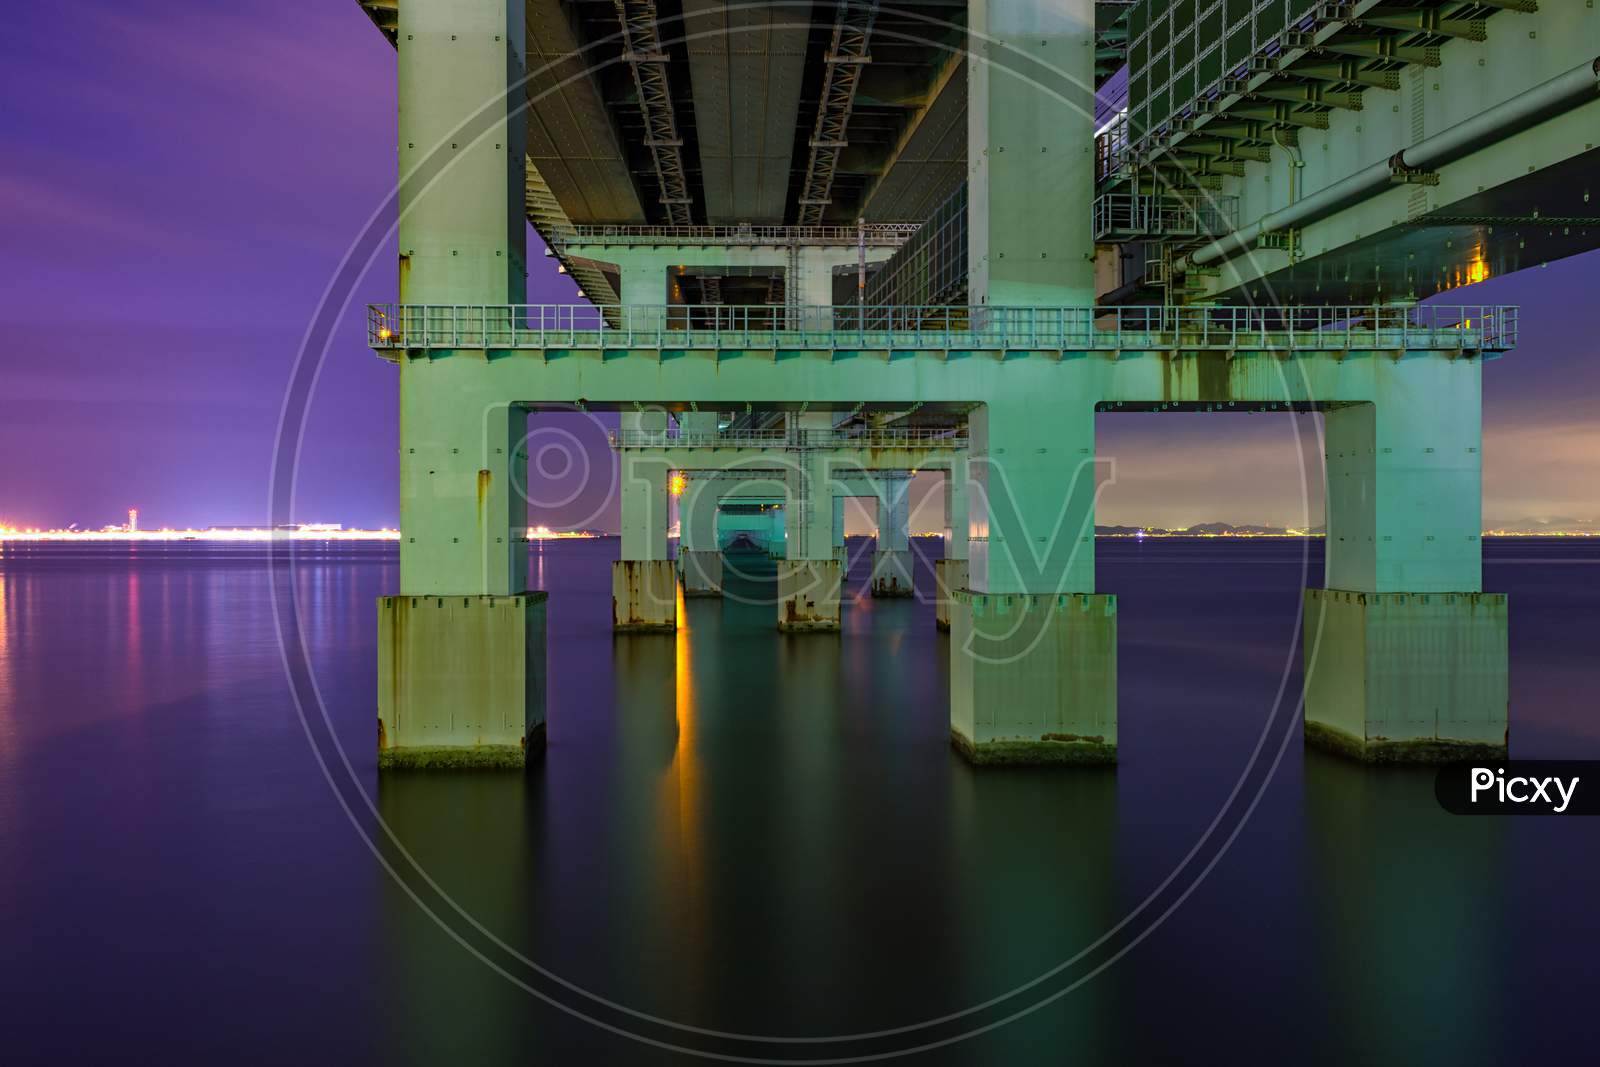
949 576
889 586
485 481
644 596
1200 377
461 680
808 593
1212 376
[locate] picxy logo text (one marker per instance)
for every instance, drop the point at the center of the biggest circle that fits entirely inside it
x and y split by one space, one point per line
1520 789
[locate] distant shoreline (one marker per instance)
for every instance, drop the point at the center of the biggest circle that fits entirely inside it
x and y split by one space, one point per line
391 536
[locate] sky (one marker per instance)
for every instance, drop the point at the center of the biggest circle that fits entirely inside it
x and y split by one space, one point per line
179 181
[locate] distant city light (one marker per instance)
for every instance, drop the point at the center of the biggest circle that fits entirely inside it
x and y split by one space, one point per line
544 533
309 531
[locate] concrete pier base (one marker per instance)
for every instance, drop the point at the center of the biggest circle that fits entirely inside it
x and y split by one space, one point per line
808 595
1033 679
891 573
949 575
1406 677
702 572
461 681
644 596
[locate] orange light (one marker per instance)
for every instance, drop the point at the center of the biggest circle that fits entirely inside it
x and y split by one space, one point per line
677 484
384 333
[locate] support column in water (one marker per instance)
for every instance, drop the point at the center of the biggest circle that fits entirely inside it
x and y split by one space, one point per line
461 662
1033 648
809 575
891 559
950 573
1405 655
699 558
644 586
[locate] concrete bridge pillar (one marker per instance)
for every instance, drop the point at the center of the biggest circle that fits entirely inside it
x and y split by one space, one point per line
463 231
1033 648
644 589
699 558
809 575
1406 656
815 286
641 280
461 667
1030 117
950 573
891 561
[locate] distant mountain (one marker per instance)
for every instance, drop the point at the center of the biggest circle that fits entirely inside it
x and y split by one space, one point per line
1204 529
1548 525
1215 528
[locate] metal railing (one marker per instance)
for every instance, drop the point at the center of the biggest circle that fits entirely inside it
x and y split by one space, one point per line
797 439
1159 217
877 235
678 327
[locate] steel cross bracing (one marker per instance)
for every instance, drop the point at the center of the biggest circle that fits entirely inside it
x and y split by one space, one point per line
847 54
648 60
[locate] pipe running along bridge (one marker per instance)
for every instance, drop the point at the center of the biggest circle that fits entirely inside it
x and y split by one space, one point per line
822 245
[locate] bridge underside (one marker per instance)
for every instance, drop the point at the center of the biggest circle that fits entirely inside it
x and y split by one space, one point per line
730 164
1360 151
1520 224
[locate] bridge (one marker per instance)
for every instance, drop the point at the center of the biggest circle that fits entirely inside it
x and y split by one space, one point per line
824 244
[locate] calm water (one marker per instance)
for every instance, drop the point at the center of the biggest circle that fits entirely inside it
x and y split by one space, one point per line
742 831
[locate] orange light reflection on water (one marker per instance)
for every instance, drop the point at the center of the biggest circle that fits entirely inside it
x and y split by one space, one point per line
684 790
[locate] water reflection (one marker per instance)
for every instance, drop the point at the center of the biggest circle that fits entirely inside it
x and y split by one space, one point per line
473 836
746 812
752 832
7 704
1413 905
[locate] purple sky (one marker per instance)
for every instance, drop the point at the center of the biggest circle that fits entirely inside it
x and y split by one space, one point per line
179 180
